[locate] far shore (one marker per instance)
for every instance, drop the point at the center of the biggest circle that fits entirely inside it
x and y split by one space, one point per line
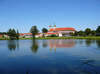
88 37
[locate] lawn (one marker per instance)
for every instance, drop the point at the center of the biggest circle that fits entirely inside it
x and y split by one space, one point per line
88 37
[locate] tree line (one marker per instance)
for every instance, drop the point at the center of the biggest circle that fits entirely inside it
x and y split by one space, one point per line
35 31
13 34
87 32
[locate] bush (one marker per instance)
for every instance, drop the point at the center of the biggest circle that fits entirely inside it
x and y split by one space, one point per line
53 35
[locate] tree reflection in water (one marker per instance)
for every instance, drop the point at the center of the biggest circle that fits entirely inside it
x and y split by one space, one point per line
44 43
34 46
88 42
98 43
27 73
81 41
12 45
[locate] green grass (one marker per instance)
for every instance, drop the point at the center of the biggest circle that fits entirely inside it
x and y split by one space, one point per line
89 37
70 38
3 39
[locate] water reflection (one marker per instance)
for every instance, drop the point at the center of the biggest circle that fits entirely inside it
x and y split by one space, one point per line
53 44
66 61
34 46
98 43
80 41
27 72
13 44
88 42
44 43
89 63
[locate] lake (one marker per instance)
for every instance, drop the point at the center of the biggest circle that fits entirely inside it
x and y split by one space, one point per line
50 56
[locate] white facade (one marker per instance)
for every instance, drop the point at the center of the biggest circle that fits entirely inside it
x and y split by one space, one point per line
60 35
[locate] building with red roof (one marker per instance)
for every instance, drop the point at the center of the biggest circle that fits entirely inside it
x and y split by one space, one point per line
52 31
1 35
61 31
29 35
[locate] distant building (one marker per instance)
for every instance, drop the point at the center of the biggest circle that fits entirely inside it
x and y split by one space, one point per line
29 35
97 34
4 35
1 35
52 31
25 35
60 31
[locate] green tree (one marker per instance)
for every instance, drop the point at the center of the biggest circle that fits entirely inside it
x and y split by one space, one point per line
53 35
98 29
34 31
81 33
3 33
93 32
12 33
72 34
87 31
17 35
76 33
34 46
44 30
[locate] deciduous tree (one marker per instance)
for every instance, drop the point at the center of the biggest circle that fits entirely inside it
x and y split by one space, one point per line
34 31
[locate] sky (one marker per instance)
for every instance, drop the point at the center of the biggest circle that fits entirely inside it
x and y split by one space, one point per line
23 14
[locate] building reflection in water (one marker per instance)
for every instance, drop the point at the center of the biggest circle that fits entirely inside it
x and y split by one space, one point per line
34 46
53 44
13 44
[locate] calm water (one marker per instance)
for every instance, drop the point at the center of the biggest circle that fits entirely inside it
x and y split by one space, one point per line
50 57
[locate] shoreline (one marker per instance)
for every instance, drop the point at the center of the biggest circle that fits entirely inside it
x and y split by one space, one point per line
89 37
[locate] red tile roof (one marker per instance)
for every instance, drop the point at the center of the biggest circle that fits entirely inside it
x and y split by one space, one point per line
62 29
52 33
25 33
28 34
1 35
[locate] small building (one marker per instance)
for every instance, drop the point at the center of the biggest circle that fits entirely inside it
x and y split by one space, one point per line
61 31
51 33
25 35
29 35
4 36
97 34
1 35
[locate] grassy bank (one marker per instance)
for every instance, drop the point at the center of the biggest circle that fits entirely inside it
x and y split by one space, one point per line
89 37
4 39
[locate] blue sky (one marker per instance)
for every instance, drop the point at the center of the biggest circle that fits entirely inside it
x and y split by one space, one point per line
22 14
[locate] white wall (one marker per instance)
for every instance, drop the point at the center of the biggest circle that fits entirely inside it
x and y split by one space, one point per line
60 35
